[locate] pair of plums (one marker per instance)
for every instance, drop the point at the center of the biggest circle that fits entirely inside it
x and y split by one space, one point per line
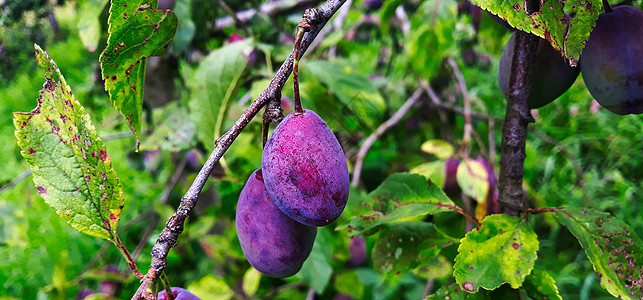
611 64
303 184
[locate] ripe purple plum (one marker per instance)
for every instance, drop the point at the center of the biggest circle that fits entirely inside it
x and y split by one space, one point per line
305 170
273 243
179 294
551 75
612 61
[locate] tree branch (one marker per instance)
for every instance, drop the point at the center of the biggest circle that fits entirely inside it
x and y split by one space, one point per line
317 18
514 128
399 114
269 8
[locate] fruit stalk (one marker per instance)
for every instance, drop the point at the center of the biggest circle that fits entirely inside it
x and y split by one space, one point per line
301 28
514 128
317 18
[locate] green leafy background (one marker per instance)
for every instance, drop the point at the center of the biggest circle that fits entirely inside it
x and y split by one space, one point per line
375 68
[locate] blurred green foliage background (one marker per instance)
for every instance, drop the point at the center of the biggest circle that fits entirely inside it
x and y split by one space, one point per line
356 78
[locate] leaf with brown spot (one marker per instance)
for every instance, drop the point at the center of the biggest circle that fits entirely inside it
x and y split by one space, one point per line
136 31
567 32
616 252
60 144
503 249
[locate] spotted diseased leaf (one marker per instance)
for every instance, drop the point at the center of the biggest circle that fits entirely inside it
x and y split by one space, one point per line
566 34
71 168
616 252
503 249
454 292
401 197
403 246
136 31
540 285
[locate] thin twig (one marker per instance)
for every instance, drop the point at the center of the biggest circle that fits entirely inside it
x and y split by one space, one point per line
268 8
462 85
317 18
363 150
435 99
428 287
15 181
164 197
466 202
233 15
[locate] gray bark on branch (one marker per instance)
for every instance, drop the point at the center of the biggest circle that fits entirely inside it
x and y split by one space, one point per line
317 17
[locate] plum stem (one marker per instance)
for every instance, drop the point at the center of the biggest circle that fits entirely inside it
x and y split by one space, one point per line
301 29
167 286
606 5
130 261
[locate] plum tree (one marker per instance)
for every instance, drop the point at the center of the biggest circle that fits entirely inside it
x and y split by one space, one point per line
272 242
612 61
305 169
179 294
551 75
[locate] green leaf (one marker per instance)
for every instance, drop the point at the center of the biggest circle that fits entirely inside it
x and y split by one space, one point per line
454 292
71 168
401 197
213 85
354 90
439 148
210 287
473 178
251 281
431 35
175 132
403 246
503 249
540 285
136 31
551 23
349 283
317 269
434 170
89 27
616 252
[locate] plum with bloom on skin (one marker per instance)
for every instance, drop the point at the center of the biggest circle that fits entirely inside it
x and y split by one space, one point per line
305 170
273 243
551 75
179 294
612 61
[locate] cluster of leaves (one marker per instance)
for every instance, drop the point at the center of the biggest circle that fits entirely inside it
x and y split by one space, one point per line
359 75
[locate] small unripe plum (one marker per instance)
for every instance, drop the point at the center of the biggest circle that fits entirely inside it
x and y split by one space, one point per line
612 61
551 76
305 170
273 243
179 294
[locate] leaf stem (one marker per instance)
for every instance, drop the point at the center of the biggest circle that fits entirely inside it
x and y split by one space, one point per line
543 210
130 261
